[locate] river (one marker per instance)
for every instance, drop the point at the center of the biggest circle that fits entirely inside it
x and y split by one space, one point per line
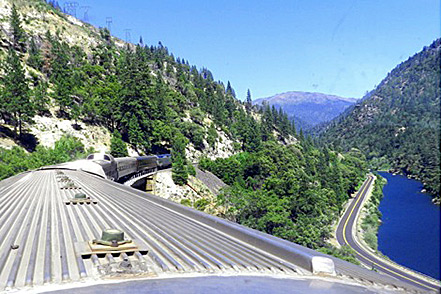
410 233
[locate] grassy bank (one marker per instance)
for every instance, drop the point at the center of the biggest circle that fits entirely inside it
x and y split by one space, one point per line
372 218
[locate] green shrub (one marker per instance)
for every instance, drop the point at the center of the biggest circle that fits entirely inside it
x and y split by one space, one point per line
118 147
186 202
371 239
16 160
201 204
345 253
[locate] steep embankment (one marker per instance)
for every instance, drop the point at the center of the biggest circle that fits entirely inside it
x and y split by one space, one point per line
397 125
308 109
200 192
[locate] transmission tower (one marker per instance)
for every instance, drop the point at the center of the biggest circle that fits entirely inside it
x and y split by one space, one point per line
128 39
85 14
71 8
108 22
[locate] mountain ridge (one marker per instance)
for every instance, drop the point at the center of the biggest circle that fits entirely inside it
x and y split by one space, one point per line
307 93
308 109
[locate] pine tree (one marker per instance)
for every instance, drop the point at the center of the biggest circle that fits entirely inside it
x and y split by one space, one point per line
118 147
229 90
136 135
179 162
293 128
35 59
248 100
15 105
267 123
252 139
275 116
62 75
18 34
39 97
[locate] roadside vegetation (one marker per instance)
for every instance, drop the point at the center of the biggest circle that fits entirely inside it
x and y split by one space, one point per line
345 253
372 219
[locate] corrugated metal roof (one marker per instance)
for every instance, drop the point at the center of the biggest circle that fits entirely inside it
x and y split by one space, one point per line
34 216
42 239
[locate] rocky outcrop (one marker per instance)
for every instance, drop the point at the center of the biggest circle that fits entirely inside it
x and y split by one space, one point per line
200 192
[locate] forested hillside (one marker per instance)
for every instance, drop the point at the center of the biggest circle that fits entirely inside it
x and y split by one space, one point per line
143 94
293 192
398 125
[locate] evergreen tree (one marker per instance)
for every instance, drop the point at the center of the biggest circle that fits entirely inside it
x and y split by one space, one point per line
179 166
18 34
229 90
16 106
61 75
118 147
35 59
248 100
252 139
275 117
267 123
39 97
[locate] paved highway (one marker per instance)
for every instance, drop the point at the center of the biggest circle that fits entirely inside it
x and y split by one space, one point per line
345 236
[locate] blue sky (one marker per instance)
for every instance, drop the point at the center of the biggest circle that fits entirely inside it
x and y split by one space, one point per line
341 47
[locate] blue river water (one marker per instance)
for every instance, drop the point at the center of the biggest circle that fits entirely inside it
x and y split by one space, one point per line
410 233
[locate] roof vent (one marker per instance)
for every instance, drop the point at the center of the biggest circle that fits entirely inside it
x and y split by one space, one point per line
111 241
112 237
81 198
63 178
70 185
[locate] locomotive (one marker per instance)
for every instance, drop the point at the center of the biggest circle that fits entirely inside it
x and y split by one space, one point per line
120 168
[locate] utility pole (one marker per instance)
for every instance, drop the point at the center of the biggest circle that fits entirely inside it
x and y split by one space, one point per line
108 22
85 14
71 8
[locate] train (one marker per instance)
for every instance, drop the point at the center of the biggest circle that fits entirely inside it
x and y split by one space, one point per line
121 168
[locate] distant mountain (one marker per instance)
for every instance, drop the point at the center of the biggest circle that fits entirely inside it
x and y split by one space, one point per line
398 124
308 109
